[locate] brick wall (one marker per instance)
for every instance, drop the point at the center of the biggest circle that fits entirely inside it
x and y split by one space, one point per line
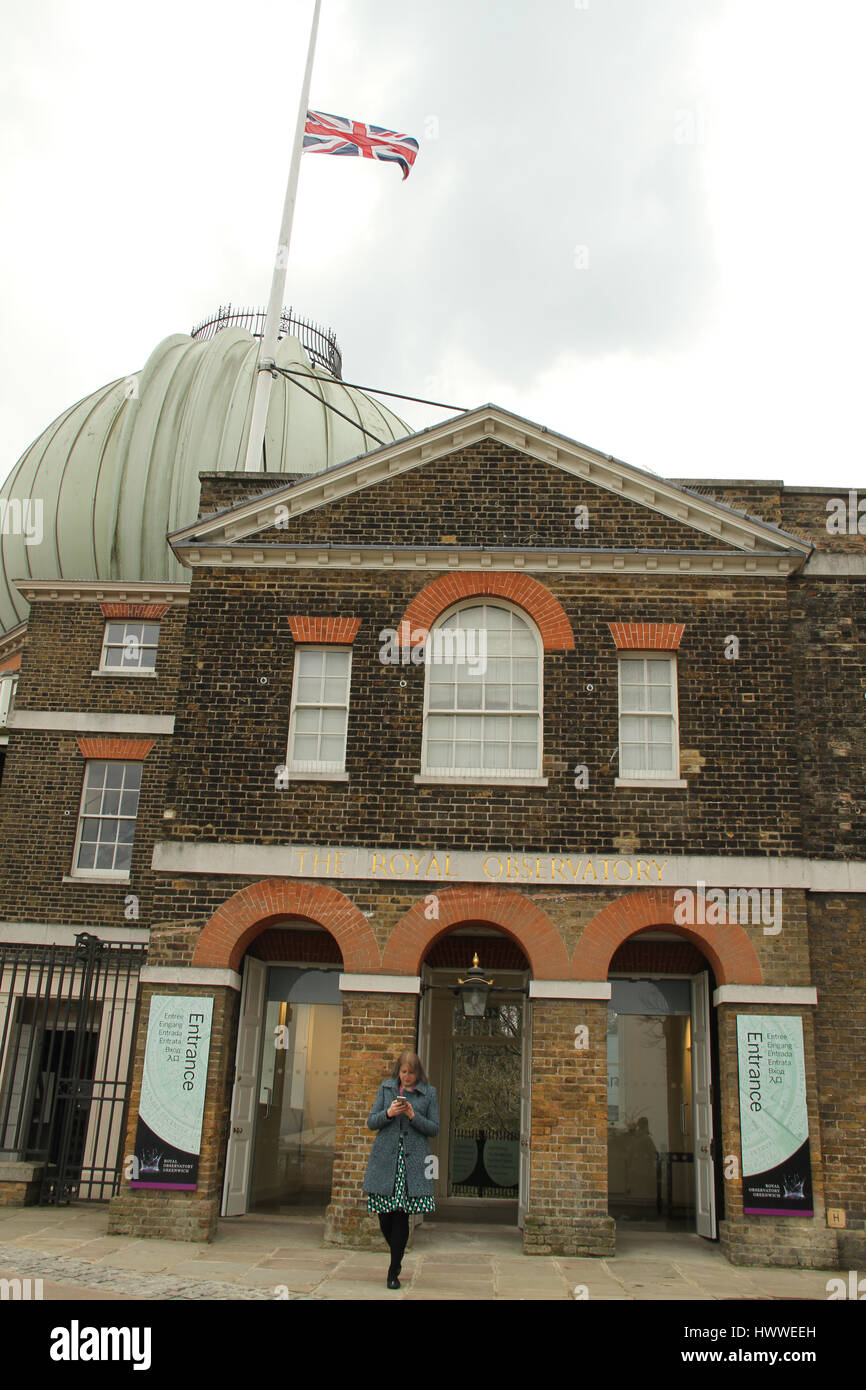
828 633
737 726
837 925
183 1215
770 1240
376 1029
567 1214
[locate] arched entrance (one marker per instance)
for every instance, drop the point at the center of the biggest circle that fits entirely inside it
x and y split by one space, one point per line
662 1105
479 1064
290 943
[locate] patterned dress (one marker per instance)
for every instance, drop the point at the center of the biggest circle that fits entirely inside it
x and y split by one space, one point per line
400 1200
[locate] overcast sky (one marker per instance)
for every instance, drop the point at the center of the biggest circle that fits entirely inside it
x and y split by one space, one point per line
638 222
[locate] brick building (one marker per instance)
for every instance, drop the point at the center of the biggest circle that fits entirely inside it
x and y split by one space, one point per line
478 691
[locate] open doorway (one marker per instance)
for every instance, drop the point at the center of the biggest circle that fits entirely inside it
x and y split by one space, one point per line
280 1156
660 1092
480 1067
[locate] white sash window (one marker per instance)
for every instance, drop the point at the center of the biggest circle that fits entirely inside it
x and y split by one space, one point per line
106 821
129 647
320 709
648 726
482 702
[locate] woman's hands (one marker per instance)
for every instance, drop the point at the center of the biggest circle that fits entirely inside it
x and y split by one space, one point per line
400 1107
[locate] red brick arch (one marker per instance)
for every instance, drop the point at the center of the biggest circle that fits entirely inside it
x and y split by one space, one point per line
728 948
240 919
546 611
515 914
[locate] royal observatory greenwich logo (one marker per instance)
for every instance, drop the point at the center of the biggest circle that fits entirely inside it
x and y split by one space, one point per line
77 1343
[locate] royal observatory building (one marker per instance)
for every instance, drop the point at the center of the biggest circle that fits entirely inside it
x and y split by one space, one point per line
475 741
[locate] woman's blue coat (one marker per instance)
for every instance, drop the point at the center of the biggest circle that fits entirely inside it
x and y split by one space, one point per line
382 1164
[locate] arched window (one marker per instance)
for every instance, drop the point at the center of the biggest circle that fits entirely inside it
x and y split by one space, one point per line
482 701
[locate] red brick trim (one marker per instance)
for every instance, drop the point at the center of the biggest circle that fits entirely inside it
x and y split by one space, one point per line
12 664
152 612
647 637
546 611
727 948
515 914
129 749
249 911
343 630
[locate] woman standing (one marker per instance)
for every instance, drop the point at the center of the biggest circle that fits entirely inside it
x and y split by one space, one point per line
399 1177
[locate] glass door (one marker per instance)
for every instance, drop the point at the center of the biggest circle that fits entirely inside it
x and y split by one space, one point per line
293 1158
486 1062
649 1091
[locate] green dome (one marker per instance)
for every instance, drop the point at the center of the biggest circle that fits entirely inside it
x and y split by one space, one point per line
119 470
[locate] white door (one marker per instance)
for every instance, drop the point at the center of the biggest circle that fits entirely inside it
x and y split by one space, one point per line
525 1098
702 1093
246 1090
424 1018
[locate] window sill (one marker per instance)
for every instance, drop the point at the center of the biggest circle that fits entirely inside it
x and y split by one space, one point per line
651 782
426 779
118 671
291 776
85 877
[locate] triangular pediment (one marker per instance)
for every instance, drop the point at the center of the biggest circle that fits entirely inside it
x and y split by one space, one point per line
271 519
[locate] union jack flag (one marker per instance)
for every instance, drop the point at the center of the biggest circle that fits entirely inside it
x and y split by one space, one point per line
324 134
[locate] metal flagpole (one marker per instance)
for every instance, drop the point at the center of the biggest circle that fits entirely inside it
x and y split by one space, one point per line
268 345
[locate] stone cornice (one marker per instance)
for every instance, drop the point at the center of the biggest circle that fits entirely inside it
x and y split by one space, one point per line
712 518
12 642
835 566
95 591
442 559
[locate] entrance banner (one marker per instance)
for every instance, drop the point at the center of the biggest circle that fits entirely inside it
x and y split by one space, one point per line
774 1124
168 1137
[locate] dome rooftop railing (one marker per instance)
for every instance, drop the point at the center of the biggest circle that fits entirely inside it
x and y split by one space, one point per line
320 343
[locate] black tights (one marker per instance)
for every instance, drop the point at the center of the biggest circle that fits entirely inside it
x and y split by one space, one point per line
395 1229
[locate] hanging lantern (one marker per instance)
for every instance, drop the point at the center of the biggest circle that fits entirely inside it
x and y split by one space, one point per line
474 990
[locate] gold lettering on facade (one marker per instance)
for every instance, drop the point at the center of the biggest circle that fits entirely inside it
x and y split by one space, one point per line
530 868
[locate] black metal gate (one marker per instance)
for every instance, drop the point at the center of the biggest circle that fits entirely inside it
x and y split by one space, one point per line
67 1016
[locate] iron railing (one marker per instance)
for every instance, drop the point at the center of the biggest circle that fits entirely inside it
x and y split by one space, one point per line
67 1016
319 342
